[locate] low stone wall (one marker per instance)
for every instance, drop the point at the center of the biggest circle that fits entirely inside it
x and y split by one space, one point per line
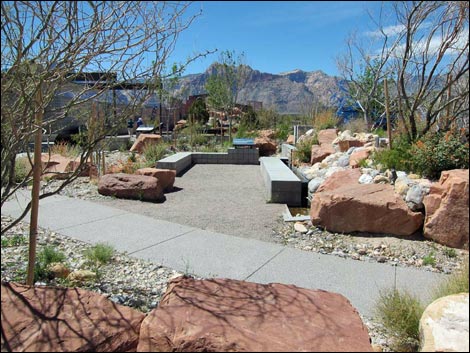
281 184
184 160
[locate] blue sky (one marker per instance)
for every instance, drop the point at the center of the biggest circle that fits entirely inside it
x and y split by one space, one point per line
276 36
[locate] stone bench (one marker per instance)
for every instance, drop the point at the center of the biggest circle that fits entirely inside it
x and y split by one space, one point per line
179 162
281 184
184 160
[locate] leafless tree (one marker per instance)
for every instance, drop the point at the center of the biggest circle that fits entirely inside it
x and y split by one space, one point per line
46 46
425 55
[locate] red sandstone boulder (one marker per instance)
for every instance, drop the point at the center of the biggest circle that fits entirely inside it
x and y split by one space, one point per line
166 177
290 140
345 145
222 315
49 319
446 206
339 179
327 136
270 134
144 140
266 146
319 153
358 156
372 208
60 167
131 186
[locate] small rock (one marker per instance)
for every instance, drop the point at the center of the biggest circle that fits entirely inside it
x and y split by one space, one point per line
299 227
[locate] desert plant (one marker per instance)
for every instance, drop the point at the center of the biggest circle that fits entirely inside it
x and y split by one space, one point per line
303 152
398 158
450 252
436 152
154 152
400 314
454 284
325 120
15 240
99 254
65 149
355 125
429 259
46 256
22 169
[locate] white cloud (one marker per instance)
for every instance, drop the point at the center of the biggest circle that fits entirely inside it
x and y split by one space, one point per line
390 31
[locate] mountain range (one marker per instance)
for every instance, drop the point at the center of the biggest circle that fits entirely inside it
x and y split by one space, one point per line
293 92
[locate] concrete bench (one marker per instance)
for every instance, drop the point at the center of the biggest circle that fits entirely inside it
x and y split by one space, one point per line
281 184
179 162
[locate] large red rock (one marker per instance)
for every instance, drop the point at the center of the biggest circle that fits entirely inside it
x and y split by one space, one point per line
372 208
166 177
144 140
222 315
50 319
446 207
266 146
327 136
345 145
319 153
340 178
60 167
131 186
358 156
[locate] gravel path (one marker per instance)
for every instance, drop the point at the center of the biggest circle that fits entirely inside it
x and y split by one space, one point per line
226 199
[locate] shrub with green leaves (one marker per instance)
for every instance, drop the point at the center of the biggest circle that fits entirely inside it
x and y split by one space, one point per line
22 169
400 314
99 254
303 152
437 152
45 257
399 157
456 283
154 152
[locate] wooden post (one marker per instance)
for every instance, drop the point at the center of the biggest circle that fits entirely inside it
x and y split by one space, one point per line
33 228
387 114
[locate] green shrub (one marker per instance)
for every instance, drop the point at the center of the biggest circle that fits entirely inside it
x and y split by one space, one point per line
449 252
46 256
325 120
283 130
15 240
303 153
154 152
400 314
398 157
437 152
429 259
99 253
454 284
22 169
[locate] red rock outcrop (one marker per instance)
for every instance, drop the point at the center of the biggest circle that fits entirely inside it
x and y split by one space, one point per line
341 178
446 207
327 136
166 177
221 315
144 140
358 156
60 167
319 153
373 208
266 146
345 145
131 186
50 319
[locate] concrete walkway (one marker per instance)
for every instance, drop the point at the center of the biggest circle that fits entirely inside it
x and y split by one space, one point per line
210 254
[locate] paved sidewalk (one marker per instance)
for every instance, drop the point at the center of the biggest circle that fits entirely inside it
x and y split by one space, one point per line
210 254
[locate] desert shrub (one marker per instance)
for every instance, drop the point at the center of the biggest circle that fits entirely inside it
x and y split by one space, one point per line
355 125
436 152
399 157
400 314
430 259
22 169
46 256
154 152
283 130
245 131
65 149
99 253
456 283
325 120
303 152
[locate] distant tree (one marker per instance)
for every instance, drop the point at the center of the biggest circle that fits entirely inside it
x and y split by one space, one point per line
225 83
425 55
249 117
199 111
48 45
